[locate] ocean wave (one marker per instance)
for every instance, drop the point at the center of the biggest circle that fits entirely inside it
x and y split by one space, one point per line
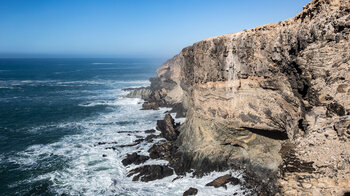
103 63
7 87
15 83
91 82
11 83
45 128
119 102
87 172
134 82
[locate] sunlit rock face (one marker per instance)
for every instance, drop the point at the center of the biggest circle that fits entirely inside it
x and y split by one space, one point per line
249 93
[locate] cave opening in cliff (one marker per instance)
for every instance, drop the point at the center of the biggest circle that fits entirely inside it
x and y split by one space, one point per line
272 134
301 124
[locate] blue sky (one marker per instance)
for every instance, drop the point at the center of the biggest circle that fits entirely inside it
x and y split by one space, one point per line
128 28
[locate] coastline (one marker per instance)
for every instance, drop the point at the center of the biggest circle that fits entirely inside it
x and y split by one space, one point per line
270 101
182 164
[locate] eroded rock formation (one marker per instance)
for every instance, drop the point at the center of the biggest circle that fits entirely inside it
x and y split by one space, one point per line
250 94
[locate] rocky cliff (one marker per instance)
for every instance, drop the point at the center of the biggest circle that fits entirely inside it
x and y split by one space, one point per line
273 101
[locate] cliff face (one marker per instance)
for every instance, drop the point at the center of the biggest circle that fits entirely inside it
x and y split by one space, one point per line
256 98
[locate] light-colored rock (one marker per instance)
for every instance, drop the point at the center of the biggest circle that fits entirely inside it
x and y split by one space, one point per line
249 93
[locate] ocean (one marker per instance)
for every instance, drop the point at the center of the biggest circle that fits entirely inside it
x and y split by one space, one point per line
53 114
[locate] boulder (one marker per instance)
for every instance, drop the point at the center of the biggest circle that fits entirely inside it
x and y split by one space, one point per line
150 106
150 138
150 172
191 191
162 151
150 131
223 180
134 158
142 92
167 127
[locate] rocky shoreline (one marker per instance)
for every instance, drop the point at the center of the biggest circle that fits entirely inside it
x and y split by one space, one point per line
178 163
272 101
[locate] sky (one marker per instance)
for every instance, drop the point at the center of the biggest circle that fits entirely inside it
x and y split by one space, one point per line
127 28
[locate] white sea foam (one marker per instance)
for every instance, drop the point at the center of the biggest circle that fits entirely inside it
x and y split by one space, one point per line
88 173
49 127
134 82
11 83
118 102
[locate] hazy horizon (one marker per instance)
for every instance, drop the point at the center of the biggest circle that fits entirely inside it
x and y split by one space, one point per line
116 29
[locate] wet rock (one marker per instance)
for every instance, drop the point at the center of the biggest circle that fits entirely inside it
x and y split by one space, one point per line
150 138
150 131
129 131
234 181
221 181
127 145
176 178
150 172
134 158
104 143
142 92
182 163
179 110
139 140
167 127
260 185
150 106
191 191
162 151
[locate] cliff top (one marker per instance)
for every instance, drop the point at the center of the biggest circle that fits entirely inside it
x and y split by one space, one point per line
309 10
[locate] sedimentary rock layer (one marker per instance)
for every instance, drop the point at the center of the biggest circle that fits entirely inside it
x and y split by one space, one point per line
285 85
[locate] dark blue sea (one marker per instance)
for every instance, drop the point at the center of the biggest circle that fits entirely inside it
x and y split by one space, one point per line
54 115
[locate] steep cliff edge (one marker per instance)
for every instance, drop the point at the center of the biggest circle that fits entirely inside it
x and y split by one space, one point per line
273 100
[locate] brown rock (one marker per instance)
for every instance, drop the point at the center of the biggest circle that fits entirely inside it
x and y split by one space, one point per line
191 191
220 181
142 92
162 151
246 94
150 131
150 138
167 127
134 158
150 106
150 172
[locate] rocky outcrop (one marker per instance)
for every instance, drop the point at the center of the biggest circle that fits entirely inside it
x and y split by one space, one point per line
223 180
134 158
150 172
167 128
250 94
142 92
165 89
